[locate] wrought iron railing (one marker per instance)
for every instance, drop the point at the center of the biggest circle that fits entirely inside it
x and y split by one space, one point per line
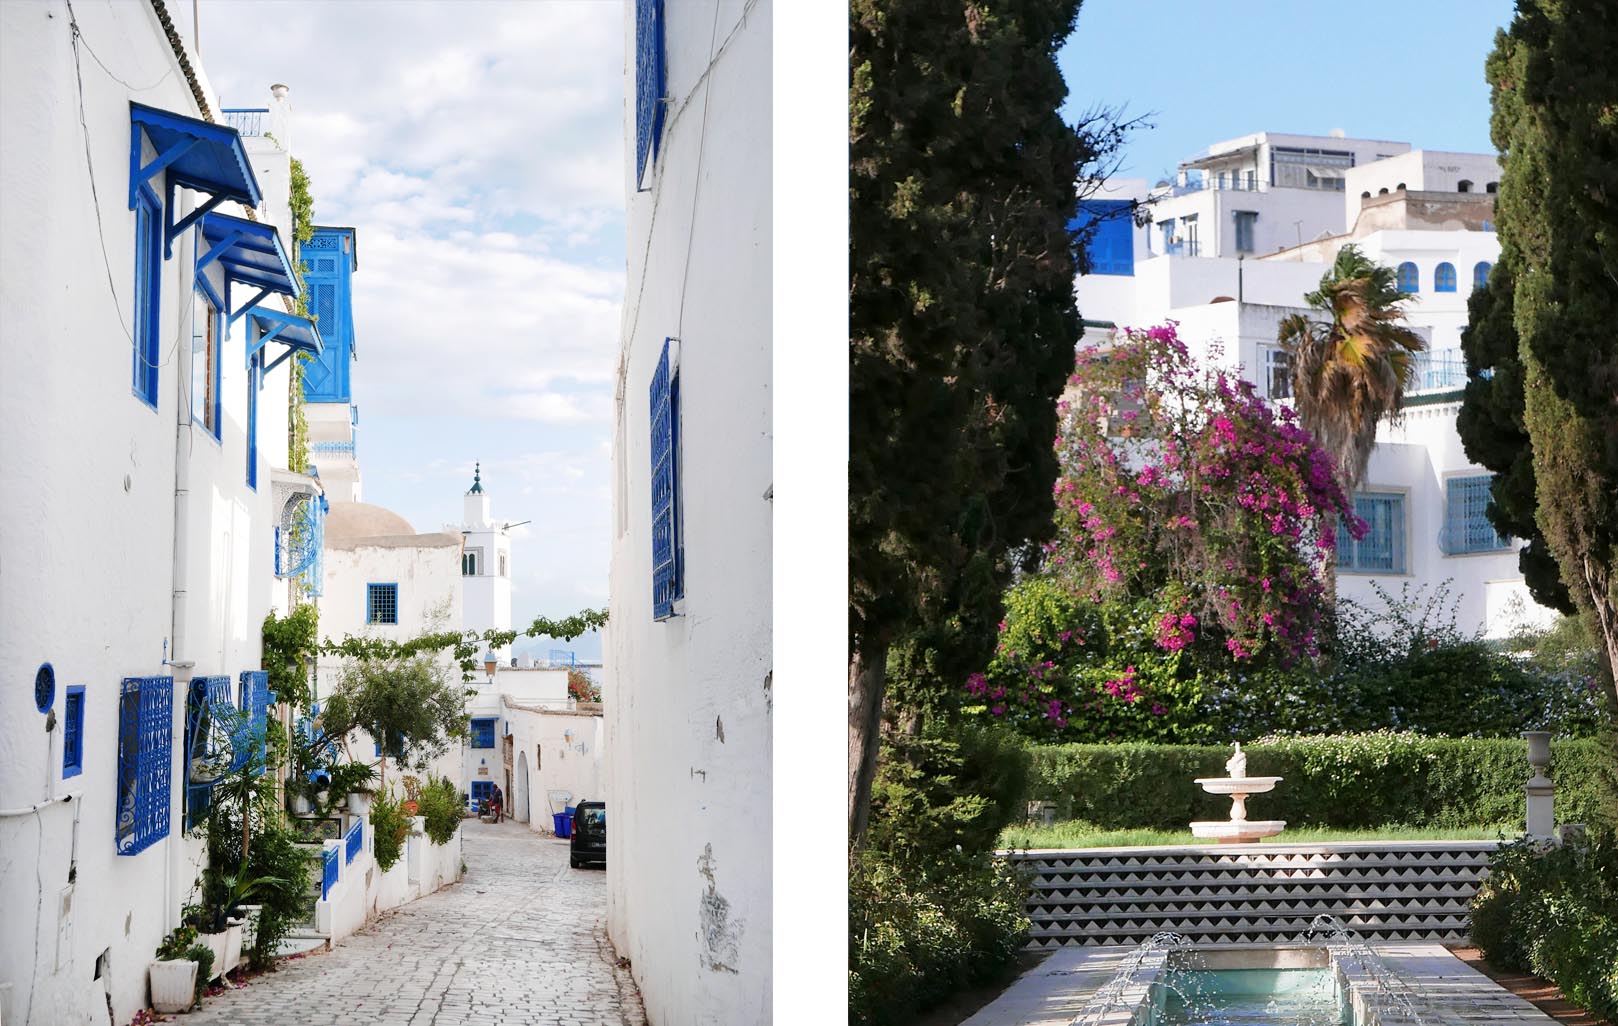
246 120
1212 183
354 841
145 736
1439 370
328 871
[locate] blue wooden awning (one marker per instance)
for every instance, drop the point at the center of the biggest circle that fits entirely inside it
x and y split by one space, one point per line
250 252
197 155
298 334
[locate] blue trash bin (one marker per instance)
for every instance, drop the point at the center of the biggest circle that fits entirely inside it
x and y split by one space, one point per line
563 823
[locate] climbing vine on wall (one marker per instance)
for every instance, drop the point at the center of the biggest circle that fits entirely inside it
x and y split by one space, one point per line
468 646
303 229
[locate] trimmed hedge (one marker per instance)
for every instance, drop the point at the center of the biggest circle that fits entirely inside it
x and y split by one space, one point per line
1348 780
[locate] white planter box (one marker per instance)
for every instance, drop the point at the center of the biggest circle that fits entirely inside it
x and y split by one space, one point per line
250 914
359 803
300 805
233 945
215 942
174 984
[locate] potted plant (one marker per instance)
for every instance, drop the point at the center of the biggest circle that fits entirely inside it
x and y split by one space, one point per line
298 796
412 794
217 928
353 779
173 973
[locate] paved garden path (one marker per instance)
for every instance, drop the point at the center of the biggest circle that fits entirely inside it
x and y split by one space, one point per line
520 942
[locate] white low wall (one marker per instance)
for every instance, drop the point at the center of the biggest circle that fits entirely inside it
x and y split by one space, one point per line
363 891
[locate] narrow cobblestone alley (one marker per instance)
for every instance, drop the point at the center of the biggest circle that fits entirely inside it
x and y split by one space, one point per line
520 942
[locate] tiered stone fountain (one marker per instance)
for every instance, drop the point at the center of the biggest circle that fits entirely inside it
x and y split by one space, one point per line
1238 829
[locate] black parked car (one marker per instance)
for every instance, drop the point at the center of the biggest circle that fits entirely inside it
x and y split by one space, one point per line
589 842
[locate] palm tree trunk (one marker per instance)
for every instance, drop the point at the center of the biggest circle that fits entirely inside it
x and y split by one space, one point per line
867 679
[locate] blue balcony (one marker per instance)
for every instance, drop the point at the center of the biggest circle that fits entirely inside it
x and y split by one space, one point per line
246 120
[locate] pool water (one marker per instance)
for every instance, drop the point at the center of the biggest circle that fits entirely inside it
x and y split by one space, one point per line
1239 997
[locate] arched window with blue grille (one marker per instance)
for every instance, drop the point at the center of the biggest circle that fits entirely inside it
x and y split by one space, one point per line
1480 274
1444 277
1409 278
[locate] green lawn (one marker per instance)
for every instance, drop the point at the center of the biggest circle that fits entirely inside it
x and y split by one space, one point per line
1079 834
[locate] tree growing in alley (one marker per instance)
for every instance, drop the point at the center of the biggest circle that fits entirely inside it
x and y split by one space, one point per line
962 322
1552 84
408 705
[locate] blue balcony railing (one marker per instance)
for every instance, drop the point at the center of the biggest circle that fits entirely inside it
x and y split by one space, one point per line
354 841
246 120
331 448
1439 371
328 872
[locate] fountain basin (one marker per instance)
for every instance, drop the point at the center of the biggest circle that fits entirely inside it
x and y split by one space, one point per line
1237 831
1237 785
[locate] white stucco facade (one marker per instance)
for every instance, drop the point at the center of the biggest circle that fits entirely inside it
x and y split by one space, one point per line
1434 223
132 543
687 698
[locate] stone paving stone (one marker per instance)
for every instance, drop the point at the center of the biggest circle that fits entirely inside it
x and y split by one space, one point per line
521 941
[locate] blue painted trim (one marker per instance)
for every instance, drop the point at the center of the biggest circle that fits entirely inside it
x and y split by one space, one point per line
73 732
215 367
483 729
148 296
254 383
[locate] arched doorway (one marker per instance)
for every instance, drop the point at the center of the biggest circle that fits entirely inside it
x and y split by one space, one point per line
519 798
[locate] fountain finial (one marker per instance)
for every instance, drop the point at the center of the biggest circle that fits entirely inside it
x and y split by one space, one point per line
1236 765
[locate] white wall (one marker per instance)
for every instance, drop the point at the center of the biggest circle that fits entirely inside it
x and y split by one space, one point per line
687 699
562 750
87 493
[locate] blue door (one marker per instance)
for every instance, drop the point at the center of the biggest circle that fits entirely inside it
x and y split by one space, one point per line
482 791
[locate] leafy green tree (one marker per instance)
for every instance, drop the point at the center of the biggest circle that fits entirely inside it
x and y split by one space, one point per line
1553 84
408 705
1350 368
962 324
1492 430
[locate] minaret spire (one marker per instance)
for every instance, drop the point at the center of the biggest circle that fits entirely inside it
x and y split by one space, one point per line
477 479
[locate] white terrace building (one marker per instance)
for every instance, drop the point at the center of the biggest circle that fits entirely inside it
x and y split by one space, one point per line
145 284
687 649
1208 262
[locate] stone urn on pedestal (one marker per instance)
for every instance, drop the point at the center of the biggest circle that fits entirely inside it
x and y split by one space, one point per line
1238 829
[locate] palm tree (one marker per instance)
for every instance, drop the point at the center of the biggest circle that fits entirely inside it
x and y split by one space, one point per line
1350 369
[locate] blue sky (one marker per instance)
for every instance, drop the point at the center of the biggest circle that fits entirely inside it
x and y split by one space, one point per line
1210 70
477 148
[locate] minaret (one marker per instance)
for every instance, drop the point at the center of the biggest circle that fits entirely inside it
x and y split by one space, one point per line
485 566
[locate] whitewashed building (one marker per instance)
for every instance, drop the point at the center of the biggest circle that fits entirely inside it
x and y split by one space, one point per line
687 647
1207 261
145 284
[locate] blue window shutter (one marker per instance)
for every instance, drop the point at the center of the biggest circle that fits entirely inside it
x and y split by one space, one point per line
145 738
148 268
1110 248
1444 277
483 733
73 732
255 706
1409 277
650 84
1480 274
665 568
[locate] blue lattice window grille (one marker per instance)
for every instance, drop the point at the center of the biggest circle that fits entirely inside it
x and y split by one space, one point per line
1444 277
1466 521
1108 232
381 603
650 84
328 870
667 571
300 539
1480 274
148 274
212 726
354 841
483 732
73 732
252 736
1409 277
145 738
1383 547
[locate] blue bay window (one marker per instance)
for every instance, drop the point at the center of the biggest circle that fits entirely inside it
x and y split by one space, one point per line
1444 277
650 84
483 732
1107 228
145 737
73 732
382 603
668 571
1383 547
1466 521
1409 278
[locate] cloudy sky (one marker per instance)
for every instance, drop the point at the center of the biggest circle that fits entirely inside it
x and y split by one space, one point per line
477 148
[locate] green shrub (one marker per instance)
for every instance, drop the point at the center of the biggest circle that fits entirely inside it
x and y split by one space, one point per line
440 805
1554 912
916 937
203 956
1358 780
389 827
941 791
